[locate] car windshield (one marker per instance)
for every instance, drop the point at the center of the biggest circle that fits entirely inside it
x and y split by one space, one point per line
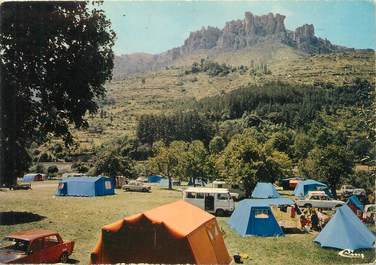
14 244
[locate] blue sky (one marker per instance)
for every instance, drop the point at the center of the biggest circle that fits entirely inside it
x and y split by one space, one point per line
154 27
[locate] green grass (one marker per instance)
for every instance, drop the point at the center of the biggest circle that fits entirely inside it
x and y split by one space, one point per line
80 219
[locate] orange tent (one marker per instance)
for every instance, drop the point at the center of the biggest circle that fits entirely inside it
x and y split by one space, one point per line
173 233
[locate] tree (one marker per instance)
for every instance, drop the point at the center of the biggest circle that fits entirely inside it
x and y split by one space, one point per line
248 161
52 169
166 160
302 145
113 164
331 164
216 145
55 58
195 162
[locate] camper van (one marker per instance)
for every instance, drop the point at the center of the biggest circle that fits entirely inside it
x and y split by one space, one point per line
213 200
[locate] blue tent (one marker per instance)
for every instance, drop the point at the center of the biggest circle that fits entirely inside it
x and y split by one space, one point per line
154 179
265 190
355 201
254 218
306 186
86 186
32 177
164 183
345 231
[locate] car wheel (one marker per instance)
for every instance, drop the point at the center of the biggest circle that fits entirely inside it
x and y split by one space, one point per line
220 212
126 189
64 257
145 190
338 205
308 205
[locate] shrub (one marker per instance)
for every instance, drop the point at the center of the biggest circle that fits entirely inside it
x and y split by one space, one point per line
52 169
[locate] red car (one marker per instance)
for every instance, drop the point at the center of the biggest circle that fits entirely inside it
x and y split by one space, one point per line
35 246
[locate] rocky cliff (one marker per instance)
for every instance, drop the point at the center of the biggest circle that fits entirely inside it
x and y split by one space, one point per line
238 34
235 35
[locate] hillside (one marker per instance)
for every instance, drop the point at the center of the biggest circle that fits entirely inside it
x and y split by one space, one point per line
145 83
160 91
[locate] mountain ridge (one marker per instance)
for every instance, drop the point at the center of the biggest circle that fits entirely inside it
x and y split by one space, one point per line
236 35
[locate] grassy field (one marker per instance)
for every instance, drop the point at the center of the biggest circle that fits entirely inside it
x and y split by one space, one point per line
80 219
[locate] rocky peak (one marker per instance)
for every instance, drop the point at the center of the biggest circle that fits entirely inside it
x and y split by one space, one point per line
263 25
305 32
206 38
239 34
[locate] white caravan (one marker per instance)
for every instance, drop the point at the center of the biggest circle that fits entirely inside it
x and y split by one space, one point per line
213 200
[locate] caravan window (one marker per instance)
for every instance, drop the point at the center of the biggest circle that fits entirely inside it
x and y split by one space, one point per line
108 185
191 195
261 213
200 196
222 196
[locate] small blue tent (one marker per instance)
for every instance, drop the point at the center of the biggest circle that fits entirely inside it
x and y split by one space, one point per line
264 190
306 186
86 186
254 218
154 179
345 231
353 200
33 177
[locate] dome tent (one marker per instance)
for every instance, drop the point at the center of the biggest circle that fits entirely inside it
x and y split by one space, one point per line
255 218
264 190
306 186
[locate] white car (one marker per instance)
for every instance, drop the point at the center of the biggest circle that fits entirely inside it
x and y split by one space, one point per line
319 199
136 186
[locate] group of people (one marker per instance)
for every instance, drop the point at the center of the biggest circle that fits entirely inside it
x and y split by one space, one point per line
312 219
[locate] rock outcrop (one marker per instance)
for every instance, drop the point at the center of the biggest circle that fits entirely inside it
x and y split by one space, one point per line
235 35
238 34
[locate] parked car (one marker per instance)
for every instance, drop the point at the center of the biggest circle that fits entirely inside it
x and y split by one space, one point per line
21 186
319 199
359 192
35 246
348 190
213 200
136 186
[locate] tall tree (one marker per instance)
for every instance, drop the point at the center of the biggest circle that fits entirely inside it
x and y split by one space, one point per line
113 163
331 164
55 59
248 161
166 161
196 161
